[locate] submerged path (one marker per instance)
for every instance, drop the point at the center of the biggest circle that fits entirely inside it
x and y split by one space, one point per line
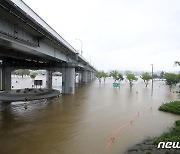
28 94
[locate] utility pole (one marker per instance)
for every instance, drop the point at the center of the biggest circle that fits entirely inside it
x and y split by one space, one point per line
152 74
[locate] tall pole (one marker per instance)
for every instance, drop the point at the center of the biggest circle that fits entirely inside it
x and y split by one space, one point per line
152 75
81 45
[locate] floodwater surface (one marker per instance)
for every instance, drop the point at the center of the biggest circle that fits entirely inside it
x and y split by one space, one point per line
81 123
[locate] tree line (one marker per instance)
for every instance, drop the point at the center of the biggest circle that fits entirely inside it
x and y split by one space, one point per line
170 78
23 72
117 76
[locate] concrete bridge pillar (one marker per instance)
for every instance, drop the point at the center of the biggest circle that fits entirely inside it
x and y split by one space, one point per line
49 79
80 77
5 78
91 76
85 76
68 80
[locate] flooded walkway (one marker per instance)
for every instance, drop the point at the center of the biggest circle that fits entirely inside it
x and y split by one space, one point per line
81 123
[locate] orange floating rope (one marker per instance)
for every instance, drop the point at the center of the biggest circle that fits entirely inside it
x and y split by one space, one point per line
111 140
117 130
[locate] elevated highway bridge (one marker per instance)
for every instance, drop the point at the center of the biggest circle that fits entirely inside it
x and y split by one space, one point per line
27 41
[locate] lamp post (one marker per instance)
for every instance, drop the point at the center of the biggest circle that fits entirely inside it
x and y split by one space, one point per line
152 74
81 45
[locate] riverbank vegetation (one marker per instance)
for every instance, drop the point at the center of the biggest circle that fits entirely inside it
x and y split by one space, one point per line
173 135
172 107
171 79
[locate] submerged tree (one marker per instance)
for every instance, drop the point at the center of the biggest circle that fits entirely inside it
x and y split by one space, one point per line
33 75
120 77
104 75
22 72
155 76
146 77
131 78
161 76
116 75
171 79
99 76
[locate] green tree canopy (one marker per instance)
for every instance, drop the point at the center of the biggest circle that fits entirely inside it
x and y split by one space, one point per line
104 75
120 77
116 75
33 75
178 78
131 78
171 79
155 76
146 77
22 72
161 75
101 74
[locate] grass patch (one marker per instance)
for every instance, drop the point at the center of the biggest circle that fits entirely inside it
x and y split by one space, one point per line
172 135
173 107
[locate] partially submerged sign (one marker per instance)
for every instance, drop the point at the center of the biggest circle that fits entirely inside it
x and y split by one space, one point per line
115 84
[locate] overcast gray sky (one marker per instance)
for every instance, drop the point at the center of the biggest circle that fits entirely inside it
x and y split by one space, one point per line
118 34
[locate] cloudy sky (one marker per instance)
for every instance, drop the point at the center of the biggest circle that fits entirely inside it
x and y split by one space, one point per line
118 34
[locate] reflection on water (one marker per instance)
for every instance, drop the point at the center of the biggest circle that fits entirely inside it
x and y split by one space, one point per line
81 123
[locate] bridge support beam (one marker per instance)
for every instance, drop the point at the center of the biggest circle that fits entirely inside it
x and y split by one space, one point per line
68 80
5 78
49 79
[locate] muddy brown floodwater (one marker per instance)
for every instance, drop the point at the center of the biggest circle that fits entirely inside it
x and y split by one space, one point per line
81 123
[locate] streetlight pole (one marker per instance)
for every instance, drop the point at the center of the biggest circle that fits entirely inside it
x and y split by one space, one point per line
81 45
152 74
